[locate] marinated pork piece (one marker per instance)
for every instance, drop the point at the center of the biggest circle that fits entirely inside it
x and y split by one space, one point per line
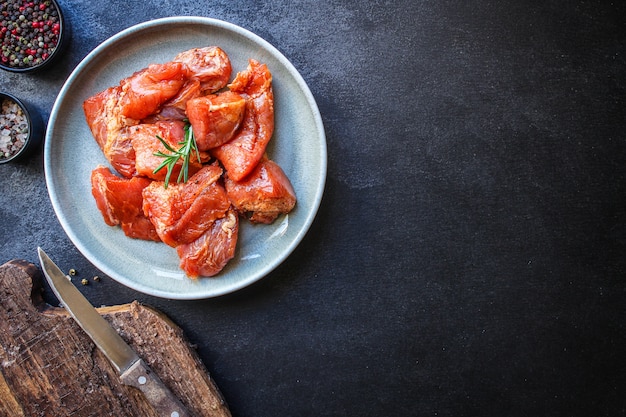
108 126
144 92
209 254
243 152
99 109
183 212
210 65
174 109
215 118
264 194
120 201
145 142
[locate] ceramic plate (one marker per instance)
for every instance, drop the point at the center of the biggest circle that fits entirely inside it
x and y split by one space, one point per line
71 153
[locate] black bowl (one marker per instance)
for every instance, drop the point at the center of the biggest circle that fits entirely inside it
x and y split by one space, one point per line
34 128
9 40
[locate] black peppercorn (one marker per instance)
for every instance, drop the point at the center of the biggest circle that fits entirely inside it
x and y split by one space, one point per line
24 21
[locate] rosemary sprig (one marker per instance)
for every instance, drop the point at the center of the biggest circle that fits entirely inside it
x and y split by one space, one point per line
188 145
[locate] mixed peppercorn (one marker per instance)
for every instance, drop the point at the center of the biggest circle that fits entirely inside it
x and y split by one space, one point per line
30 32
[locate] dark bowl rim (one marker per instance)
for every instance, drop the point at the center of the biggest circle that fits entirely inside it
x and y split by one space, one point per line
55 53
29 119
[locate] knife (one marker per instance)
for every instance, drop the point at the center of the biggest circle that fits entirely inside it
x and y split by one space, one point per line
132 369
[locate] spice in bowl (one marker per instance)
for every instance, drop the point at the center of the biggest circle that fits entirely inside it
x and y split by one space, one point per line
20 130
14 125
31 32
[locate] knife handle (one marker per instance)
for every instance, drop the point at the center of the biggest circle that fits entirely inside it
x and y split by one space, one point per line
164 402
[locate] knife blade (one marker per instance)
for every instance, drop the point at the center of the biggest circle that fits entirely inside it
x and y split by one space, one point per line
132 369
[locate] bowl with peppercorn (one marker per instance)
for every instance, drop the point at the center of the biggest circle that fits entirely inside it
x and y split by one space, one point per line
21 131
32 33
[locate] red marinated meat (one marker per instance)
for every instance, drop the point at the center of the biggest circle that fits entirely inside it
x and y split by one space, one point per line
144 92
108 127
174 109
182 212
145 143
98 108
241 154
120 201
264 194
215 118
210 65
209 254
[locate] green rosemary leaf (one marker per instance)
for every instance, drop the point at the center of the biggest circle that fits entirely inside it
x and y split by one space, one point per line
167 145
188 145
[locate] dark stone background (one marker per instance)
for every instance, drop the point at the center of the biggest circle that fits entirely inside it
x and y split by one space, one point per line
468 255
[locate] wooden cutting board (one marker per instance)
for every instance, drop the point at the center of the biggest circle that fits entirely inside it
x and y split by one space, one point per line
50 367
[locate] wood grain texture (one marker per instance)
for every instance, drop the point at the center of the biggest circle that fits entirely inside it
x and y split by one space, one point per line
50 367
